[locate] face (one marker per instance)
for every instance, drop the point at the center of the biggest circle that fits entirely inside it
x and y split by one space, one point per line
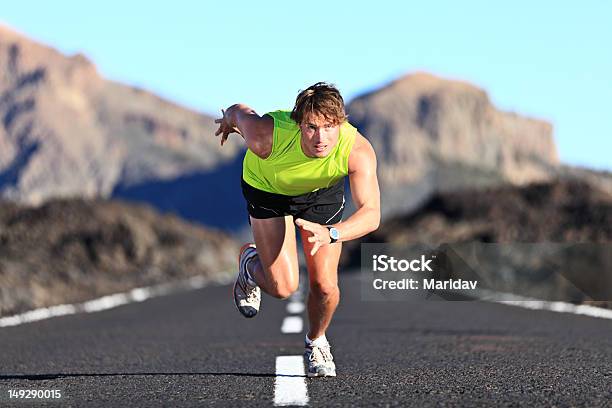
319 135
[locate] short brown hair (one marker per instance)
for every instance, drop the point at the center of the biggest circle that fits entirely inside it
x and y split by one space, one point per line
322 99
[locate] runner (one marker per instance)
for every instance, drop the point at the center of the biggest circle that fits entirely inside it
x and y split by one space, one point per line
293 173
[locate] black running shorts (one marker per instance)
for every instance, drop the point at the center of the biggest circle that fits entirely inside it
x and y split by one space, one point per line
324 206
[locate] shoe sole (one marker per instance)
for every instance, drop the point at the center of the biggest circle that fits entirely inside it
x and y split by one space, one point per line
314 375
242 249
236 304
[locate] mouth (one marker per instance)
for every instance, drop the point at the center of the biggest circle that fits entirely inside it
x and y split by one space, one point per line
320 148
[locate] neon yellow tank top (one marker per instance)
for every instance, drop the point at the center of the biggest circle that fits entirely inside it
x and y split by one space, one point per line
287 170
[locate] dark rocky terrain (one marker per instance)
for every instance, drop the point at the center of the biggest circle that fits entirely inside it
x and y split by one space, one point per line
69 251
561 211
555 238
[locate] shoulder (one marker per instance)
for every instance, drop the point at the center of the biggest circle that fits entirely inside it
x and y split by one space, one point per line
272 124
281 119
262 136
362 156
266 125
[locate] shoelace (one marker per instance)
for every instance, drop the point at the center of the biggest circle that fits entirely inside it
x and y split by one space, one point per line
324 352
251 293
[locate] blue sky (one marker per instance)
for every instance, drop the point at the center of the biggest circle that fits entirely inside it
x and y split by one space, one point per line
542 59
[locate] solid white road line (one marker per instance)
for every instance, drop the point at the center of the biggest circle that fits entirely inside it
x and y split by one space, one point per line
110 301
295 307
290 385
292 324
535 304
511 299
562 307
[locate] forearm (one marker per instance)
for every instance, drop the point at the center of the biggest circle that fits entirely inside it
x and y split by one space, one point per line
362 222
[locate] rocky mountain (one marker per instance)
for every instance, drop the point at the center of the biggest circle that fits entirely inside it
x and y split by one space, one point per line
72 250
66 131
433 134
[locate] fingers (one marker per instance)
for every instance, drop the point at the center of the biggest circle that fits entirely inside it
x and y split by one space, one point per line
224 128
308 228
222 118
224 133
315 237
220 122
305 225
315 248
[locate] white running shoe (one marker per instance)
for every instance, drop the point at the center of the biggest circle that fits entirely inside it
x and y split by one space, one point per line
320 361
246 297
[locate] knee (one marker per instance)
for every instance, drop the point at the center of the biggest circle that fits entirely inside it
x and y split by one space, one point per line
283 290
324 290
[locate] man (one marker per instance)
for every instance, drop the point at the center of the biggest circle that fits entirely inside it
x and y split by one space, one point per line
293 172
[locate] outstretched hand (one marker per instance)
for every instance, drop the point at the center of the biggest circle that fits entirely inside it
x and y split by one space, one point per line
225 127
319 234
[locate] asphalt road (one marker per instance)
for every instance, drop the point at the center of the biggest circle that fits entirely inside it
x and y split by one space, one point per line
194 349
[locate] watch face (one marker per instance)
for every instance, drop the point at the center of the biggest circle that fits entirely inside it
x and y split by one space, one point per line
334 233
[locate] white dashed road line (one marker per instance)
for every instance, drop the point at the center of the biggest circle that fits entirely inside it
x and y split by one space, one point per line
295 307
292 324
109 301
290 386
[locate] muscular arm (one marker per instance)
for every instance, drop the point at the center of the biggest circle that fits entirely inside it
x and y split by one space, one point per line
365 192
366 196
256 130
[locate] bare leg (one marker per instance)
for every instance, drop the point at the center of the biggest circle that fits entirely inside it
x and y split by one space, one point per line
275 269
324 294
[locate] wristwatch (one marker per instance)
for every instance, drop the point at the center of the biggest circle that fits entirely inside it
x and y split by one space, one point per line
334 234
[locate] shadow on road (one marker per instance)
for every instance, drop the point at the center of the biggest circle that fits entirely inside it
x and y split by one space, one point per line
36 377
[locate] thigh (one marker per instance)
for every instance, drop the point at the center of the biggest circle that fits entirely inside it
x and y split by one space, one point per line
277 248
322 266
